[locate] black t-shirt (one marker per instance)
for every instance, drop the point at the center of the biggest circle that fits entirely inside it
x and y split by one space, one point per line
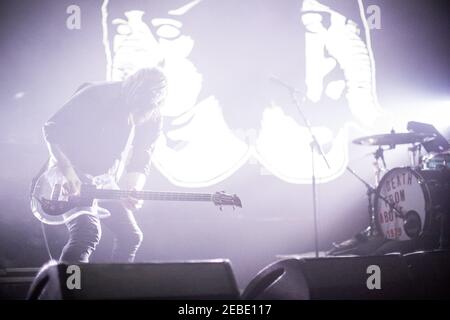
93 127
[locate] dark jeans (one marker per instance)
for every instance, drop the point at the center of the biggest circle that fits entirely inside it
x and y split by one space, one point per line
85 233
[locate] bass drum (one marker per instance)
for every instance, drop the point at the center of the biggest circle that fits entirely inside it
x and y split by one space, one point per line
421 196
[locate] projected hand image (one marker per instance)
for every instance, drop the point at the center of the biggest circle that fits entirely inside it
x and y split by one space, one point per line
342 41
332 42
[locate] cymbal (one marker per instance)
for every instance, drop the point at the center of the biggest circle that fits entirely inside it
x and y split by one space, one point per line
394 139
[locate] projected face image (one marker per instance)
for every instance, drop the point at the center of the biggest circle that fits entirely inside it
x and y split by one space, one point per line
199 146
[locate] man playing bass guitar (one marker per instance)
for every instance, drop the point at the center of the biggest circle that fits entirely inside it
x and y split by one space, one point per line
107 129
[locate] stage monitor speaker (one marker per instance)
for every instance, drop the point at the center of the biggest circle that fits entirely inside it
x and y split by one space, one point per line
15 282
337 278
430 273
212 279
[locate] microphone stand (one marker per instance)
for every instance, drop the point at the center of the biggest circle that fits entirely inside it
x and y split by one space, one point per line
314 145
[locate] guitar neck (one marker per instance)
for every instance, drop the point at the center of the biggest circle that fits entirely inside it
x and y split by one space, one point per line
150 195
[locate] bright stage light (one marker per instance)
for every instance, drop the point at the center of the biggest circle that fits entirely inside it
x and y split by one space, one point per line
421 109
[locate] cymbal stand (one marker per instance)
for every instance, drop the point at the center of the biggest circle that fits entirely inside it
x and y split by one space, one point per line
371 209
379 170
371 191
416 155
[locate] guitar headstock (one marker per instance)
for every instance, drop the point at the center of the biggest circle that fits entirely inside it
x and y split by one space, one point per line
223 199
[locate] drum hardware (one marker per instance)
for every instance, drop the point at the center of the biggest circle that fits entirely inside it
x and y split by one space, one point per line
393 139
407 203
371 191
379 154
371 230
437 145
369 239
379 170
386 205
416 155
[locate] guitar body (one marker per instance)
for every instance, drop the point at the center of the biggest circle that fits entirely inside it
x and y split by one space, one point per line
51 206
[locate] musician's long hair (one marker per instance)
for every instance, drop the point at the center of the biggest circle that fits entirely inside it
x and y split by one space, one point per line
144 92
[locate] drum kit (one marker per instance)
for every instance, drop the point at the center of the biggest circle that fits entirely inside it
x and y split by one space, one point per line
410 202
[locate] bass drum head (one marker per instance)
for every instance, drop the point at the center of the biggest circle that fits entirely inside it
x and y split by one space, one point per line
405 188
